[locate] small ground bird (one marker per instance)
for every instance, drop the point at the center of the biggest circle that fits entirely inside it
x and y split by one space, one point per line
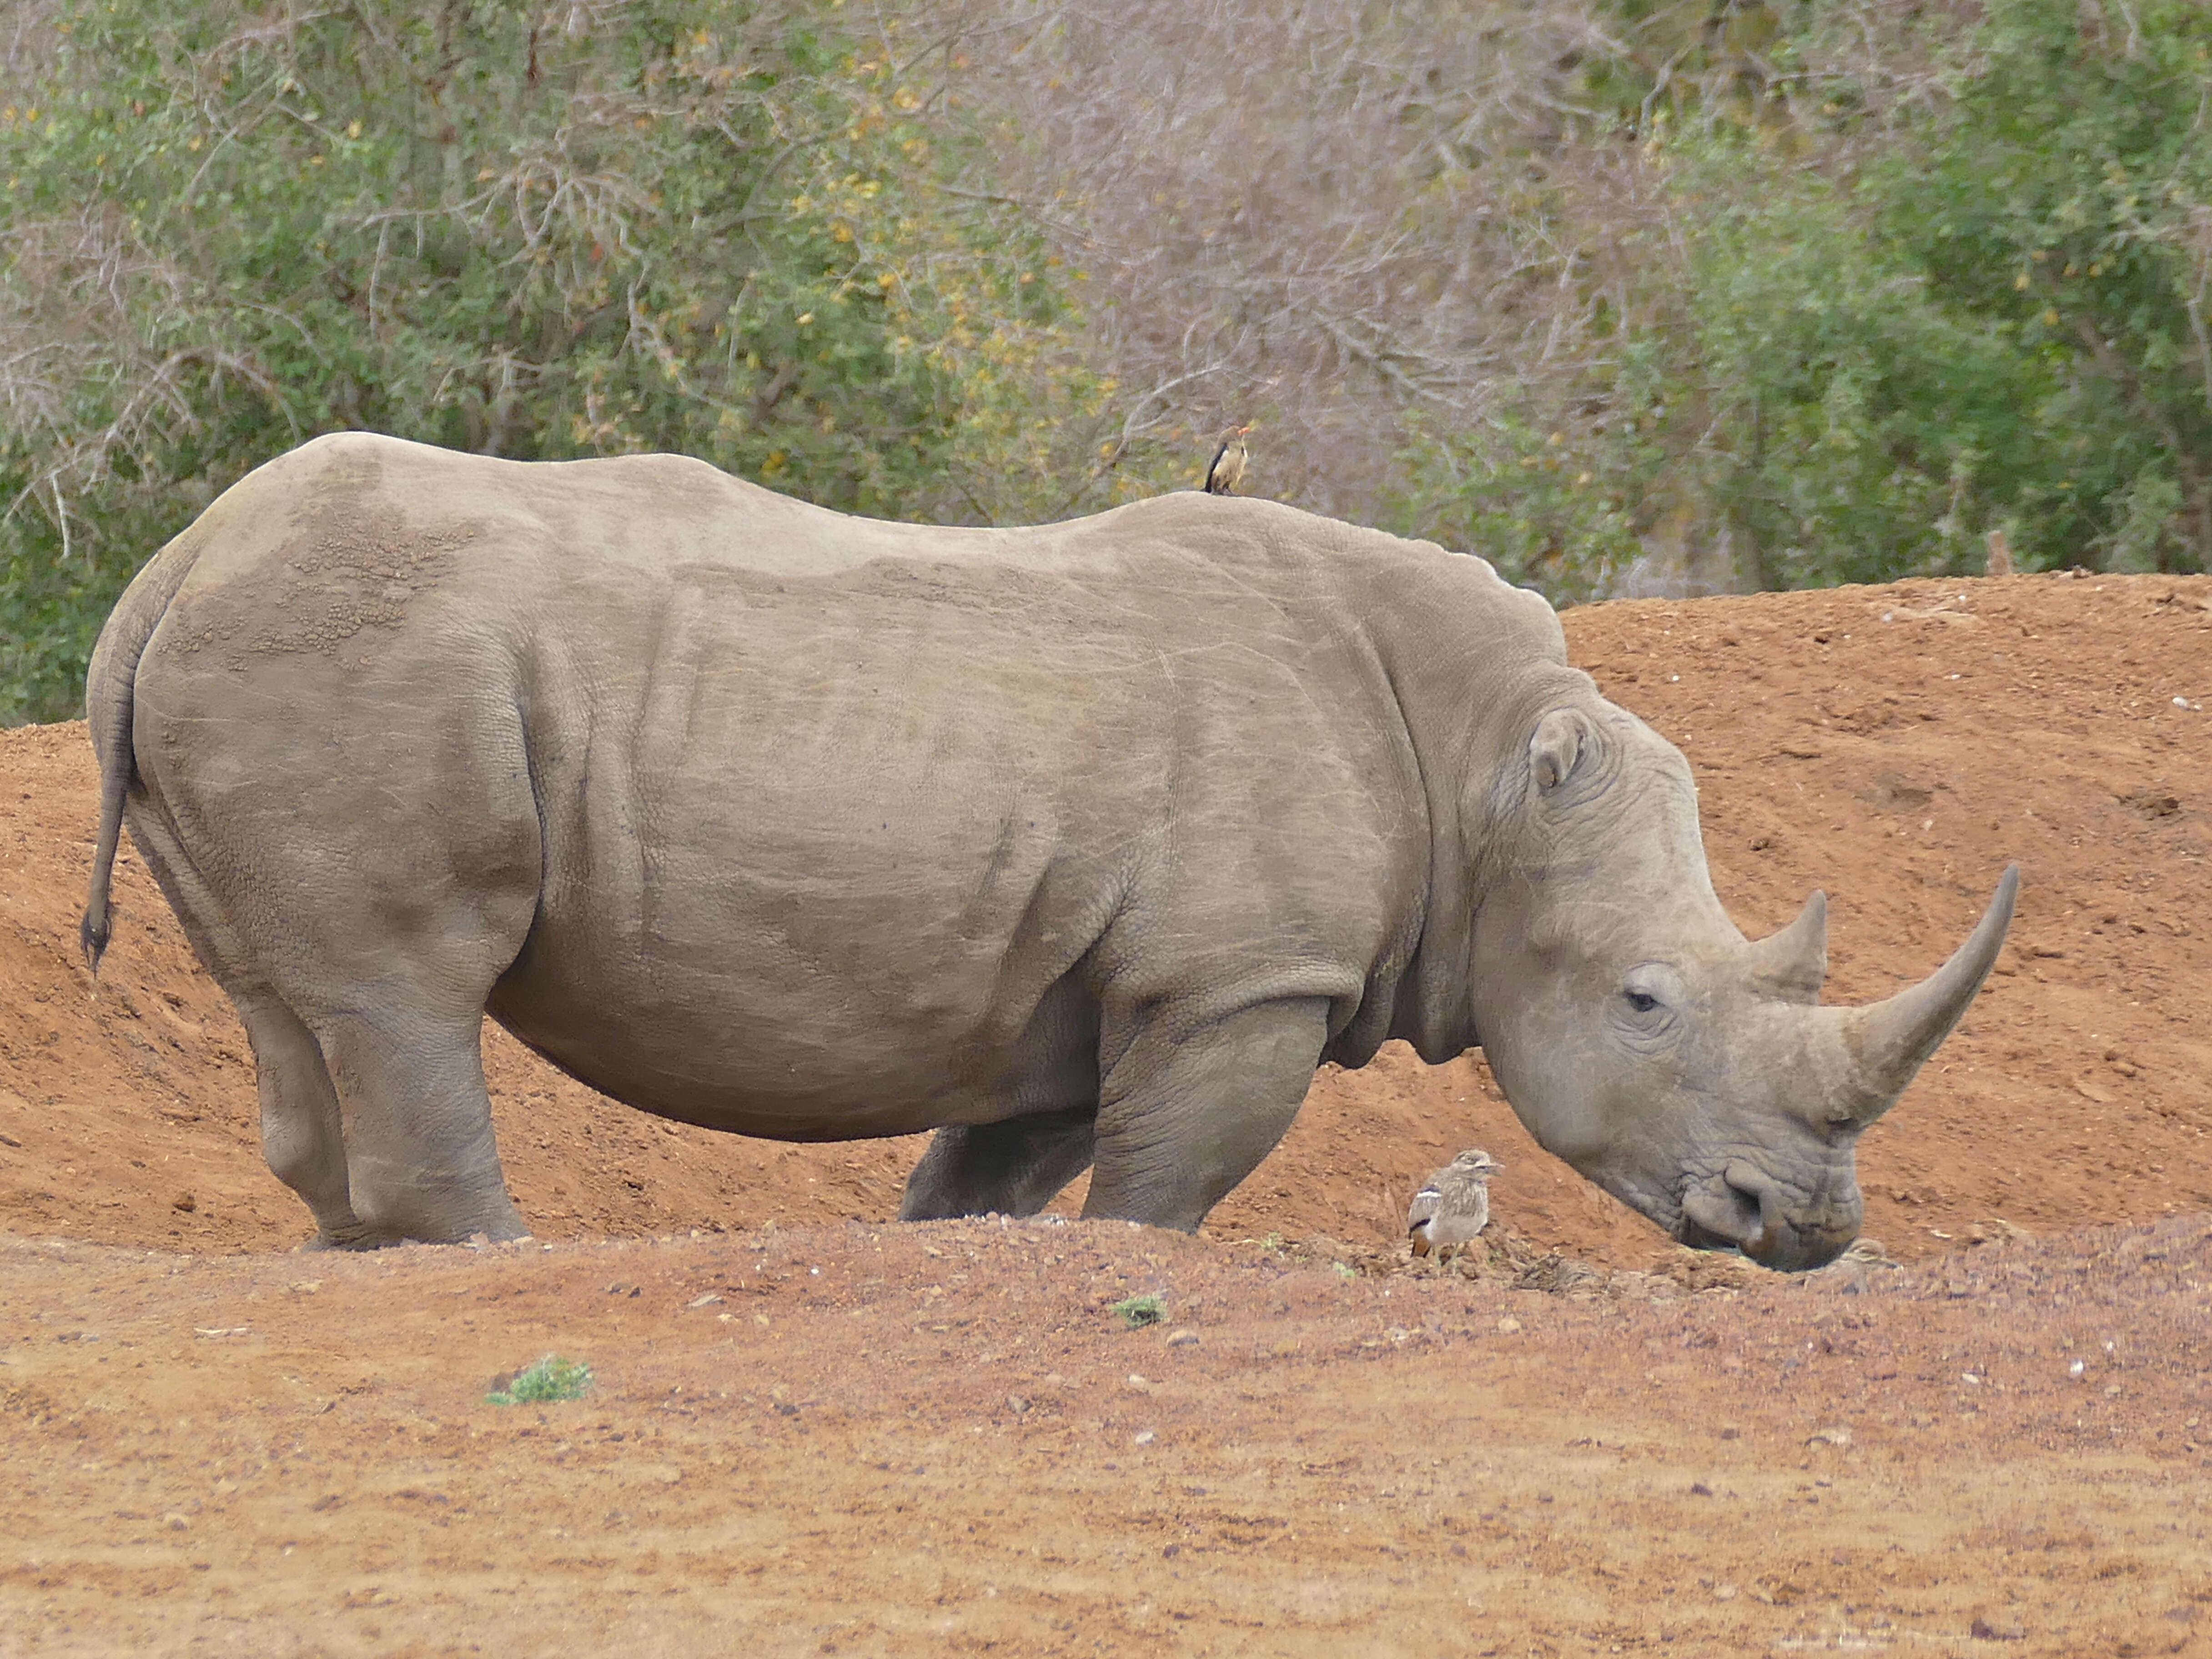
1226 470
1453 1206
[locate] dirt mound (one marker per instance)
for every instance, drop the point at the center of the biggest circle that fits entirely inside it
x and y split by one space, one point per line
940 1439
1894 746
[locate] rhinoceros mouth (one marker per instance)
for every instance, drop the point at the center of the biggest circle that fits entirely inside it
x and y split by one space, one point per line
1691 1235
1745 1212
1738 1210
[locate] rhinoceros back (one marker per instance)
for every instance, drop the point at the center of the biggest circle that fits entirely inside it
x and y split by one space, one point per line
800 823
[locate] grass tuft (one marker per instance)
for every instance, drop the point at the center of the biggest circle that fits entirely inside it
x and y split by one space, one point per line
549 1378
1138 1311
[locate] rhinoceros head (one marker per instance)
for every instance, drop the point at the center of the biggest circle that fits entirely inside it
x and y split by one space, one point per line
1640 1037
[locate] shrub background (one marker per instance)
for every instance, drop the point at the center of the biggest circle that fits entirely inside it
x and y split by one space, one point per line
537 232
1628 295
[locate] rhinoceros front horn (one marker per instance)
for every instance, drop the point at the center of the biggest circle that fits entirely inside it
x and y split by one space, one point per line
1891 1039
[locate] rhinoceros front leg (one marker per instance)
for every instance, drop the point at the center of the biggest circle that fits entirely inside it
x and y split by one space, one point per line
1014 1167
1185 1115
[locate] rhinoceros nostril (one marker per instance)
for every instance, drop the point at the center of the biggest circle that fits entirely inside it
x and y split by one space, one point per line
1745 1203
1742 1208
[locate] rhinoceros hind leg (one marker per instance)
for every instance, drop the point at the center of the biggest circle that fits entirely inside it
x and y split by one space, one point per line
421 1160
300 1135
1181 1121
1014 1168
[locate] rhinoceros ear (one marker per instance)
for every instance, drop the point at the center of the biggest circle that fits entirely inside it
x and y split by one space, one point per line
1556 748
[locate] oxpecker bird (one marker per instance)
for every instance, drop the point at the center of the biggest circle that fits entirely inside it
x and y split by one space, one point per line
1453 1206
1226 470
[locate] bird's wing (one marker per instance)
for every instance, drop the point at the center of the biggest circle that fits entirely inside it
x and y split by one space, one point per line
1213 466
1424 1207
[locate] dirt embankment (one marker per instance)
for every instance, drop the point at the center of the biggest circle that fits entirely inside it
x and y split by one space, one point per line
813 1434
1895 746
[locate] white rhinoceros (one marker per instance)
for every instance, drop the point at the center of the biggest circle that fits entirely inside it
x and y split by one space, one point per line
1083 844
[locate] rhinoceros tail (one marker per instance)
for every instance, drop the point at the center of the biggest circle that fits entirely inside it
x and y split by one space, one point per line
110 704
94 929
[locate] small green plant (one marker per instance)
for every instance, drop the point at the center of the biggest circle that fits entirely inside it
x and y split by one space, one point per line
549 1378
1137 1311
1344 1270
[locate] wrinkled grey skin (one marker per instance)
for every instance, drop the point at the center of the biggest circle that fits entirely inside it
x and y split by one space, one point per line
1079 844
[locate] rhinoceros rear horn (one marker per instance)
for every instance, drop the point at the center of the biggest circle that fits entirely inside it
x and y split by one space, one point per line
1792 963
1891 1039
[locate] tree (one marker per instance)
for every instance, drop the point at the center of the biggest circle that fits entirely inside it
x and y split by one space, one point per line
1867 307
2065 196
541 232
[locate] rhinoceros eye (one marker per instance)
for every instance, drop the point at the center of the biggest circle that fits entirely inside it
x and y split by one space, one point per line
1643 1001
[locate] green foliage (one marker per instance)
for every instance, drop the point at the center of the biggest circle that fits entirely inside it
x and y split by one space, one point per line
1809 292
1136 1312
551 1378
695 225
2066 200
1831 354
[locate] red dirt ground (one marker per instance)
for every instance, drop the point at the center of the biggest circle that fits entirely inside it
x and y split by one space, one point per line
1374 1465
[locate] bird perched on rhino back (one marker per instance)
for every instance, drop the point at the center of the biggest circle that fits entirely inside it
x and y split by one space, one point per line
1453 1206
1226 470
